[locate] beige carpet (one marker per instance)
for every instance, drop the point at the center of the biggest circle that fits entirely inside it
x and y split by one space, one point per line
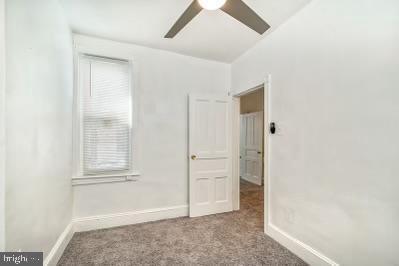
235 238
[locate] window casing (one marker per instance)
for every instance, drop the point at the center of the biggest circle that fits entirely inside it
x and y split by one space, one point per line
105 116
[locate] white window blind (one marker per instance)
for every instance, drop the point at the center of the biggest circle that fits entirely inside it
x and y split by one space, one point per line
105 116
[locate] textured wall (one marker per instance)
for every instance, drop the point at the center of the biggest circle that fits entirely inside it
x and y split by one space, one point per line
334 165
39 124
2 125
164 80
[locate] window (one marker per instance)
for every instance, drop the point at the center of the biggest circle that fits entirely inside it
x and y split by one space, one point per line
105 114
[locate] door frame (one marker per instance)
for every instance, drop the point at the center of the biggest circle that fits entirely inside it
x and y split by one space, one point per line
266 85
2 122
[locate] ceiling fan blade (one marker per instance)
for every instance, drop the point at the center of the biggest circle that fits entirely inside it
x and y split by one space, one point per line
184 19
243 13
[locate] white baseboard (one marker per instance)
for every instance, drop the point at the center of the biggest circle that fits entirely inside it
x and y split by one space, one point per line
59 247
127 218
252 180
107 221
305 252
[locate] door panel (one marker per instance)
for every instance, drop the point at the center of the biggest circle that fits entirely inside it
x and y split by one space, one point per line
203 190
220 112
220 191
202 133
210 155
251 147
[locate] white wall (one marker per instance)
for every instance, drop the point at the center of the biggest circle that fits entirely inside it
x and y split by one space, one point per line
334 166
39 124
164 81
2 125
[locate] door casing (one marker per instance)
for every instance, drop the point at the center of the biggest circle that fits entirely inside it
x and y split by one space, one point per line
266 85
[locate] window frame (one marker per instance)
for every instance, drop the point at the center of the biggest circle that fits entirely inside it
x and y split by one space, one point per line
77 176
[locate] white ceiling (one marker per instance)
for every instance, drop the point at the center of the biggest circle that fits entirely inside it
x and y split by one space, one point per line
212 34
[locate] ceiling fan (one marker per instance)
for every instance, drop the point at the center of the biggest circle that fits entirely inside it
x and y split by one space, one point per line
235 8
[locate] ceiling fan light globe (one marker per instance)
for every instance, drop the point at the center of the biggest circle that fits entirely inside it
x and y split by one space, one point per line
211 4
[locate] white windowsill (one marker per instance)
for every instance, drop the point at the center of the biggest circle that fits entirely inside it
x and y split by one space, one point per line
100 179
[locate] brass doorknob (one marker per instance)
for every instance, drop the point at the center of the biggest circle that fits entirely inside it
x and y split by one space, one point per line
193 157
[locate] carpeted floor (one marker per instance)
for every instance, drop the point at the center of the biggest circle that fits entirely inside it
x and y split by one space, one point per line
235 238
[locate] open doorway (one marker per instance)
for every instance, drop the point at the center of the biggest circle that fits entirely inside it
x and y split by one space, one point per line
251 138
250 151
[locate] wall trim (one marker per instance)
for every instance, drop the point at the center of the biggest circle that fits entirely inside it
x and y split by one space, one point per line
128 218
91 180
58 249
236 152
302 250
252 180
2 125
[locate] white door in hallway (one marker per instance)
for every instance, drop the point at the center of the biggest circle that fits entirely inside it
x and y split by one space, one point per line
210 154
251 147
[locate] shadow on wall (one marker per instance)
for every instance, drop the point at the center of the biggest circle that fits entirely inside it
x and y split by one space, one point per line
252 102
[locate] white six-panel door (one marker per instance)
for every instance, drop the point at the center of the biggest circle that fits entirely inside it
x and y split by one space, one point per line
210 154
251 147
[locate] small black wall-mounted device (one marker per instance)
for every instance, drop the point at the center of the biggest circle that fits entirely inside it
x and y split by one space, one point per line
273 128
